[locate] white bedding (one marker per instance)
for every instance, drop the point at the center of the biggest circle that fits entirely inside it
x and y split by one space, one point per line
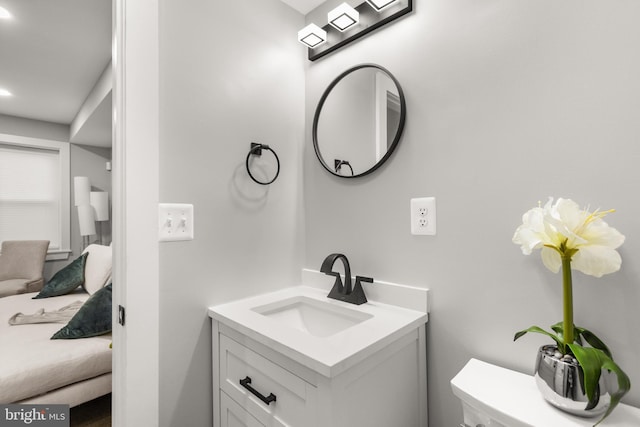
31 363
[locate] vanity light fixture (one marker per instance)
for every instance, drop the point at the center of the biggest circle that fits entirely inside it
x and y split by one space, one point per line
343 17
312 36
4 92
379 5
347 24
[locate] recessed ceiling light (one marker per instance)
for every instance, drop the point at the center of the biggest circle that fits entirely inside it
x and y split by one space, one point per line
4 13
4 92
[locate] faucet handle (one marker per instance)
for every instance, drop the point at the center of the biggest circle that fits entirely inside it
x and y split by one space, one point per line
364 279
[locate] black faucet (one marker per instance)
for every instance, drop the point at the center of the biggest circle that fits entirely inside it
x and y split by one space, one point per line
340 292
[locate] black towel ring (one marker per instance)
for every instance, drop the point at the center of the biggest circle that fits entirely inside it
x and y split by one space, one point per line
339 163
256 150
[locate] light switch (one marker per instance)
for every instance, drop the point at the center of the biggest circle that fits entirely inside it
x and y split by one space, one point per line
175 222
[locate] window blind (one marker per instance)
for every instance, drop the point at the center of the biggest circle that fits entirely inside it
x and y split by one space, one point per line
30 194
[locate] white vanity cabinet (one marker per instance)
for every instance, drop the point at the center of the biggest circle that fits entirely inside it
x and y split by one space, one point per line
295 358
295 398
385 389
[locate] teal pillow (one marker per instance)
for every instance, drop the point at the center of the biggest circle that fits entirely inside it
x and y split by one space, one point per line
93 318
65 280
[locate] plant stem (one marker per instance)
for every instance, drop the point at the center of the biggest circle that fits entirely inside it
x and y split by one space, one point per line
567 297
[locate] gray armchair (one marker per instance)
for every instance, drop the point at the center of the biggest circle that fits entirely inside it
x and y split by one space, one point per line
21 266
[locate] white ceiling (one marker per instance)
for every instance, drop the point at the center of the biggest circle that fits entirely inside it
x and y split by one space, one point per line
52 53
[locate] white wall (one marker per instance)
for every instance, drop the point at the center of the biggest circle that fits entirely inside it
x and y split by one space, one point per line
231 73
508 102
33 128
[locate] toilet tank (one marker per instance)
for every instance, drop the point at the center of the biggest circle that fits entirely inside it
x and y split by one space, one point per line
492 396
474 417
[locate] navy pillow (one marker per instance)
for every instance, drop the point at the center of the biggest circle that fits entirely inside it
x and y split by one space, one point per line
93 318
65 280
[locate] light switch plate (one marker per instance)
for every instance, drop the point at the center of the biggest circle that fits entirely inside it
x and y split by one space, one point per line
175 222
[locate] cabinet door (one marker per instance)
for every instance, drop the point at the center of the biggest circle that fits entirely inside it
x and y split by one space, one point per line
232 414
294 401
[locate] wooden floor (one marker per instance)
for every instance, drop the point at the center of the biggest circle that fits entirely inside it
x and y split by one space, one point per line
96 413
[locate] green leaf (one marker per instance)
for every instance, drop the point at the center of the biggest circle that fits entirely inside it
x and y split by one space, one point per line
594 341
539 330
593 361
591 366
557 328
624 384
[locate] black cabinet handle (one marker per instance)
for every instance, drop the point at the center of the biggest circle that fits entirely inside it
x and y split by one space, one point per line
267 400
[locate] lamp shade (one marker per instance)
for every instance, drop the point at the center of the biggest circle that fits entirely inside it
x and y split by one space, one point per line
100 204
81 190
86 220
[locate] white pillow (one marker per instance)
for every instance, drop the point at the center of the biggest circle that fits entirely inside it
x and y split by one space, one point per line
97 269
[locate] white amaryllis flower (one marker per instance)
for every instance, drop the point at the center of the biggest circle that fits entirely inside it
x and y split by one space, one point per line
572 238
562 229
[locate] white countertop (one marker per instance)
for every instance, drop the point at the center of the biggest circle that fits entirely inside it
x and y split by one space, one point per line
329 356
512 398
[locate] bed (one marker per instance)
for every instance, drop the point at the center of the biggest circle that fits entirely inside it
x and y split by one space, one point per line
36 369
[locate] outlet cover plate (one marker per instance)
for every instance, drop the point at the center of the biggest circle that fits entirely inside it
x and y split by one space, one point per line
423 216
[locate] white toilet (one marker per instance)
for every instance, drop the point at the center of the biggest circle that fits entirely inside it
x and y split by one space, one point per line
497 397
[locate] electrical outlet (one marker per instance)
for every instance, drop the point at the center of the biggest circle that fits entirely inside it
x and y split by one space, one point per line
423 216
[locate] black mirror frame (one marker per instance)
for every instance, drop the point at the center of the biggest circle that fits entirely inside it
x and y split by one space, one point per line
396 140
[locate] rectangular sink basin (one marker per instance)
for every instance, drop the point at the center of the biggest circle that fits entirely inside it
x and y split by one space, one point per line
317 318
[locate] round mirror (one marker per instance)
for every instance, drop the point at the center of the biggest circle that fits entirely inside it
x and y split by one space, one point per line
359 121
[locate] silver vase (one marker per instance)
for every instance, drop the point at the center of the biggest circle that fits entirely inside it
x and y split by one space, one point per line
560 381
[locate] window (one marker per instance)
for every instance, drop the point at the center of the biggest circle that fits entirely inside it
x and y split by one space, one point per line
34 191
